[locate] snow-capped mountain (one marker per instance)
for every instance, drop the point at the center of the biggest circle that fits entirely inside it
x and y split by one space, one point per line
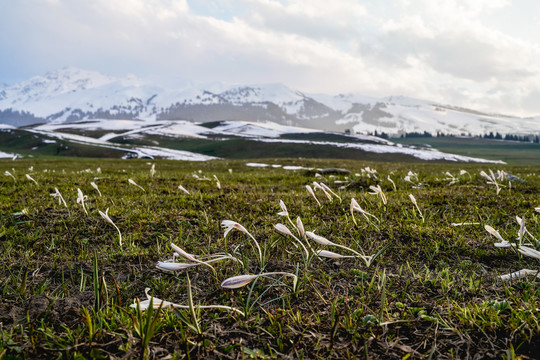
71 94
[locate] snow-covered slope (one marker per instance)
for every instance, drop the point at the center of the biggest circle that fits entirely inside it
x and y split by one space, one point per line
70 95
260 132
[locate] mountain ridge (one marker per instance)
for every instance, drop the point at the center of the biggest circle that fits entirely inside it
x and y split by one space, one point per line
72 94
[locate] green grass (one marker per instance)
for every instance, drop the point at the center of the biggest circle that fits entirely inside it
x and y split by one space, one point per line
512 152
67 284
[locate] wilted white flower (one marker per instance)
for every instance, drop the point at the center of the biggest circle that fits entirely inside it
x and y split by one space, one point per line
22 212
153 170
356 207
378 191
174 266
105 215
319 239
285 231
81 198
392 181
310 191
327 188
464 224
325 242
94 185
519 274
413 199
300 227
180 187
7 173
228 225
135 184
189 256
492 231
528 251
450 178
319 186
157 303
283 211
236 282
58 195
491 180
332 255
31 179
218 184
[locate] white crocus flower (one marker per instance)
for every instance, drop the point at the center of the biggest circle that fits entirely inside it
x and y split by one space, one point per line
528 251
283 211
157 303
300 227
228 225
491 180
310 191
239 281
180 187
317 185
503 242
135 184
392 181
325 242
189 256
176 266
413 200
218 184
81 198
153 170
519 274
21 213
94 185
31 179
378 191
325 187
7 173
356 207
285 231
332 255
105 216
58 195
464 224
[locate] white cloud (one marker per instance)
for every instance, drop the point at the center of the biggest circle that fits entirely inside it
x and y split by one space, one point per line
441 50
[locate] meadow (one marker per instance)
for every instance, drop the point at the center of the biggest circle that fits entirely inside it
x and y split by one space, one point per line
389 261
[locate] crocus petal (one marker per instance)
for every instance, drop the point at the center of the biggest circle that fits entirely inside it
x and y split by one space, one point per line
180 187
494 232
318 239
300 227
330 254
525 250
174 266
519 274
238 281
283 229
184 254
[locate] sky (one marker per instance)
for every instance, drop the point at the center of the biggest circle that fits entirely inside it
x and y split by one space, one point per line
480 54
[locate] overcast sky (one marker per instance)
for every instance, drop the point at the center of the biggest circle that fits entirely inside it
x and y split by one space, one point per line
482 54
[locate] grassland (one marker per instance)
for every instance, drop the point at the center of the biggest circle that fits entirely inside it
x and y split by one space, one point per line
512 152
434 290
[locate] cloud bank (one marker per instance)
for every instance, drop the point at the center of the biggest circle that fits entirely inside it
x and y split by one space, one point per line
482 54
